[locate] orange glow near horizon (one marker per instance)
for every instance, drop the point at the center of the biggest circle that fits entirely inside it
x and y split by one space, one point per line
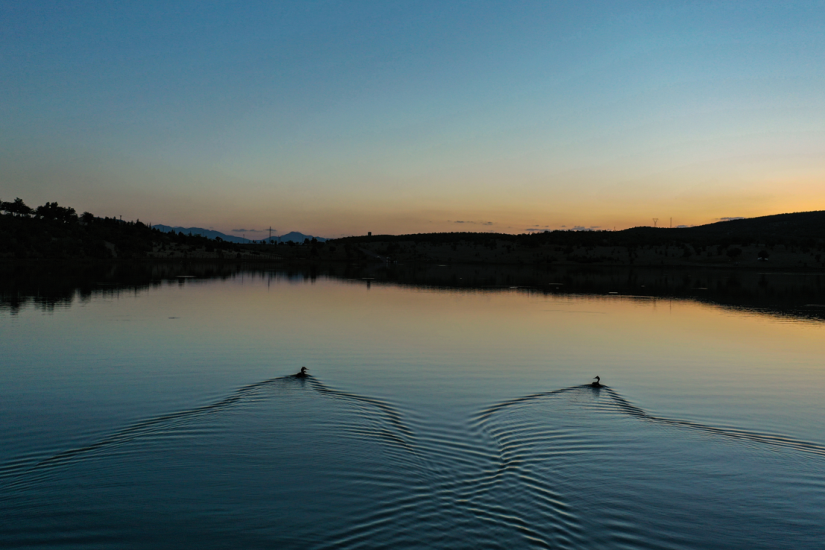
503 210
329 221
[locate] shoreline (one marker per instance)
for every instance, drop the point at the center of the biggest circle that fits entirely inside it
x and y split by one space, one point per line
250 260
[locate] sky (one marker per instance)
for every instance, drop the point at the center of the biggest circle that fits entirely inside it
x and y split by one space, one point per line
338 118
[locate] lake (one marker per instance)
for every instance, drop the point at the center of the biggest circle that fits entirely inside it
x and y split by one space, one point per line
152 406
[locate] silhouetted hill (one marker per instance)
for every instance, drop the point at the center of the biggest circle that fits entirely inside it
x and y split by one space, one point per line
783 240
797 228
55 232
779 228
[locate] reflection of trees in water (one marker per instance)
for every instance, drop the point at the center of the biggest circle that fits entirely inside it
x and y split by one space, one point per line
795 295
51 285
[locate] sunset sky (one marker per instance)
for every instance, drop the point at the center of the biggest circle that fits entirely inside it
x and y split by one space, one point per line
338 118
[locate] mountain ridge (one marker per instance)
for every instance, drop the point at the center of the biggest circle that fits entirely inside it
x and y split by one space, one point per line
292 236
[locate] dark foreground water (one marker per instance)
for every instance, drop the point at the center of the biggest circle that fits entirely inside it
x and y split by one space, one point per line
153 408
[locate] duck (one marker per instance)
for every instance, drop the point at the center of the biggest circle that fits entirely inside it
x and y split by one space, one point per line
596 383
302 373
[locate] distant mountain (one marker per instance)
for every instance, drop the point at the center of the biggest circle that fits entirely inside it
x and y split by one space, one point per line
296 237
293 236
208 233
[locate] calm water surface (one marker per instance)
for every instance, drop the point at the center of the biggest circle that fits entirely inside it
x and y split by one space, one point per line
439 413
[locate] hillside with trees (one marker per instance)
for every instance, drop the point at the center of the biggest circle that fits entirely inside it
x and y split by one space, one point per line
56 232
779 241
784 241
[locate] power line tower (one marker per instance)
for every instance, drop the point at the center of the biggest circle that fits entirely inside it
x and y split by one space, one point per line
655 221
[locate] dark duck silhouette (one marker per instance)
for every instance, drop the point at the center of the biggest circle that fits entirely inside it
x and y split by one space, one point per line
596 383
301 373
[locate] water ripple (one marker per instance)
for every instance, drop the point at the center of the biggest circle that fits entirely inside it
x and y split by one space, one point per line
622 405
514 474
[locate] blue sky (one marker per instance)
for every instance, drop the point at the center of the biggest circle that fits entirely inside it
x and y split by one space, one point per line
342 117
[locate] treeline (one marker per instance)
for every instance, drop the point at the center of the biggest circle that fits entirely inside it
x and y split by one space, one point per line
52 231
49 211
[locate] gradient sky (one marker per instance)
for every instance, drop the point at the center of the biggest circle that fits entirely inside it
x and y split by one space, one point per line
337 118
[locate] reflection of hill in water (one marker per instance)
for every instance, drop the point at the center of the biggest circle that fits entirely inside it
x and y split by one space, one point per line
792 295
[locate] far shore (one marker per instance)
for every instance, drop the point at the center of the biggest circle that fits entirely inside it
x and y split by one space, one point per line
370 255
779 242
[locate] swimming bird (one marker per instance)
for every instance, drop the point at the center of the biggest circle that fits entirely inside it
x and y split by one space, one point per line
597 383
302 373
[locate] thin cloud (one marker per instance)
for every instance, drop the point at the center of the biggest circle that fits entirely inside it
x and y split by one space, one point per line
470 222
252 230
731 218
538 229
